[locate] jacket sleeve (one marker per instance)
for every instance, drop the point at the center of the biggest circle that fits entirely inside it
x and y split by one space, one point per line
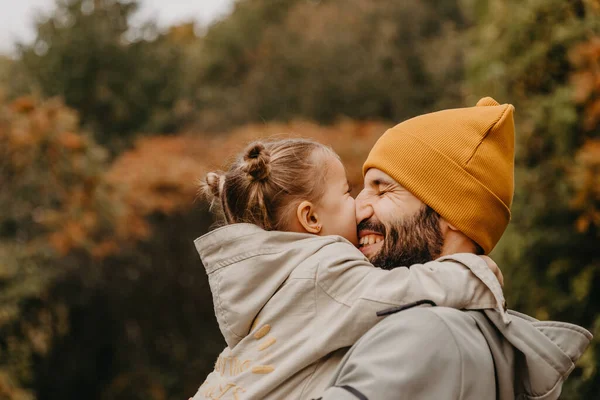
463 281
415 355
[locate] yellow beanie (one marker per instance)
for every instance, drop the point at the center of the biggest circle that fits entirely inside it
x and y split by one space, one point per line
460 162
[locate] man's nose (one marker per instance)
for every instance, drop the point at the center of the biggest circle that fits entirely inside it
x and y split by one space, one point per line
364 209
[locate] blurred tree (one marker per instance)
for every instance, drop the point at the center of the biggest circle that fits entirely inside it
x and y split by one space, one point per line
75 292
543 56
269 60
120 80
5 66
275 60
53 186
103 294
50 195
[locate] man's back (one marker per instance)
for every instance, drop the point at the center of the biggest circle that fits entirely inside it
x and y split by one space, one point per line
421 353
443 353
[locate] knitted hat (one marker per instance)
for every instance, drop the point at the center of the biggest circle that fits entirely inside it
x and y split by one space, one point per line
460 162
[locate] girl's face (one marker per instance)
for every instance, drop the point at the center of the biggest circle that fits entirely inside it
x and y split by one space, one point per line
336 208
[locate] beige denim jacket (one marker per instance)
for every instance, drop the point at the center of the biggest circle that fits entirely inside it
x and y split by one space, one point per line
285 302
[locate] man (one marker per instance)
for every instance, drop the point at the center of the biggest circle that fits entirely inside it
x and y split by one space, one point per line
435 185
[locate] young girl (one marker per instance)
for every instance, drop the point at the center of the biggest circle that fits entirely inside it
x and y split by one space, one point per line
290 289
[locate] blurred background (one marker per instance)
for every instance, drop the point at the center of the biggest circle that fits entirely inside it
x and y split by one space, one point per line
110 111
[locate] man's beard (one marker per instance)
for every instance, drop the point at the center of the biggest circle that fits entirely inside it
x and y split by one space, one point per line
413 240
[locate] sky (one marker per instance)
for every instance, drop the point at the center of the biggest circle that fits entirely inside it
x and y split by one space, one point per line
17 17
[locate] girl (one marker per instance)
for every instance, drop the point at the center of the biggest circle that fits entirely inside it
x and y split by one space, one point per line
290 289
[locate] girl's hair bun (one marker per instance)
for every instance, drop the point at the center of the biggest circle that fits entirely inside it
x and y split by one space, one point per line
212 186
257 162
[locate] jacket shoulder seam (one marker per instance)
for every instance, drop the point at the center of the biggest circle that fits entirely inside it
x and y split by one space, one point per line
331 296
249 254
460 355
211 246
242 257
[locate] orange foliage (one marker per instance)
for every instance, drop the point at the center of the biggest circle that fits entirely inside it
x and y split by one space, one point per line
585 82
352 140
12 391
60 190
586 176
53 185
161 173
585 57
181 34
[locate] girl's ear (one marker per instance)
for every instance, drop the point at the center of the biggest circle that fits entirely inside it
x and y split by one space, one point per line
308 217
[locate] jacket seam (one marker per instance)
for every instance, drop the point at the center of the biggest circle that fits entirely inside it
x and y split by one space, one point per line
326 289
331 297
221 309
562 325
361 298
212 245
237 238
315 303
241 257
457 349
387 303
558 344
482 306
309 378
246 255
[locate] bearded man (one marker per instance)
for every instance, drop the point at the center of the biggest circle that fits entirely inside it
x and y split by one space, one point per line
436 185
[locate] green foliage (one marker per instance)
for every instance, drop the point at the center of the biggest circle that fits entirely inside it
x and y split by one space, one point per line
551 264
120 81
5 66
321 60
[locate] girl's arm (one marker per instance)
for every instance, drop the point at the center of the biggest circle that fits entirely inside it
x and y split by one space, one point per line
351 290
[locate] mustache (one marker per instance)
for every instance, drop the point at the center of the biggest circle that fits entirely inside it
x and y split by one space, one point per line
368 225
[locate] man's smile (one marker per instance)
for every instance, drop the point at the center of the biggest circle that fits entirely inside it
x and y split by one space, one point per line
370 242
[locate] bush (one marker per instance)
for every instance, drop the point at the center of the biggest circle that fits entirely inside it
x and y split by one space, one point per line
545 60
322 60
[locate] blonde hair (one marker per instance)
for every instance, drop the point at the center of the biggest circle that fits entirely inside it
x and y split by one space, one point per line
267 181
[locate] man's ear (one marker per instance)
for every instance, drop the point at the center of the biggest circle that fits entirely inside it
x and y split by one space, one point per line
452 227
308 217
445 226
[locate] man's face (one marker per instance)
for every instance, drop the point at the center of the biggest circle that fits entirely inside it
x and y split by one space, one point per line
394 227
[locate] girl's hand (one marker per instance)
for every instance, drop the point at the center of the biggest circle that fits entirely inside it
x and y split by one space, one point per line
494 267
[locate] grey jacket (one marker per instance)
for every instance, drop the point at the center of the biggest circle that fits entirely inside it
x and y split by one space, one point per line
443 353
